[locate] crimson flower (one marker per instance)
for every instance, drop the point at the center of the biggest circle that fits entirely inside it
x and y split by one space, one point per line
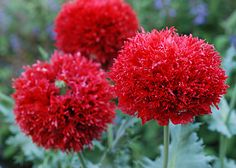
63 104
97 28
167 77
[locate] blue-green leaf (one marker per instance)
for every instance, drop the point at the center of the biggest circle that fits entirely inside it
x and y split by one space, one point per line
43 53
228 62
217 122
186 150
228 163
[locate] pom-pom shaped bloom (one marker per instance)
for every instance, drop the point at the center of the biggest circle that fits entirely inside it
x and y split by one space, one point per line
97 28
167 77
63 104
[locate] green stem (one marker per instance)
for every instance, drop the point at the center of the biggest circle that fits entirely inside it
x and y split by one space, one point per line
166 146
113 140
223 140
104 155
109 142
110 136
222 150
82 161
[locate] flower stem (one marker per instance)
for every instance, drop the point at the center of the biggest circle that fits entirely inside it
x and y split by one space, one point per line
82 161
222 150
166 146
113 140
110 136
223 140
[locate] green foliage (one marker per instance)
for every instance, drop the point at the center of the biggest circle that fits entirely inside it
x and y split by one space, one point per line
20 147
24 25
26 34
228 163
219 117
186 150
230 24
43 53
23 150
229 62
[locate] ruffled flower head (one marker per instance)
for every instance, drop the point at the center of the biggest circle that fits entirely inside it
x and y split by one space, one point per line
168 77
63 104
97 28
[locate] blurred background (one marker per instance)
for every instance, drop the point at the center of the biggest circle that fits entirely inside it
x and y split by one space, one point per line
26 34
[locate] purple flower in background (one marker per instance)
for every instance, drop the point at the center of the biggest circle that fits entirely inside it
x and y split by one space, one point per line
4 21
165 7
53 5
35 31
51 32
172 12
15 43
232 40
200 12
158 4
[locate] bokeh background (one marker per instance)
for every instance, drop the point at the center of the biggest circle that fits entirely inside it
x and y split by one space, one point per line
26 35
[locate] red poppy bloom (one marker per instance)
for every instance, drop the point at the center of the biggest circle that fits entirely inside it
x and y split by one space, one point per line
97 28
63 104
167 77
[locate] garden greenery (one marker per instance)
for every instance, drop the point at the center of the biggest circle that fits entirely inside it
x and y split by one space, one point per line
67 110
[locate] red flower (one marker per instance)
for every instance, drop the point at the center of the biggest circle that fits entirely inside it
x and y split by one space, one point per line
63 104
164 76
95 27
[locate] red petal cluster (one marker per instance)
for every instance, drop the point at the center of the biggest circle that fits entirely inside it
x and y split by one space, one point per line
167 77
97 28
68 120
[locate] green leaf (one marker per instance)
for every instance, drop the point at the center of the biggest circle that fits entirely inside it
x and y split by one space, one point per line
5 98
125 124
228 163
91 165
228 62
230 24
221 42
7 113
43 53
218 120
186 150
98 144
4 110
